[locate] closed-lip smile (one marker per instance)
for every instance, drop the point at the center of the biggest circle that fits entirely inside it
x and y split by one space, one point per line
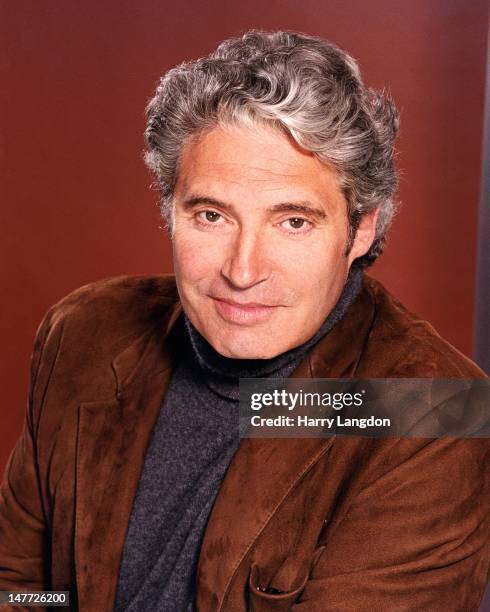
242 313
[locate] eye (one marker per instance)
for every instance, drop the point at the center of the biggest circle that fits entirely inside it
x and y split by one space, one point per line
297 223
209 217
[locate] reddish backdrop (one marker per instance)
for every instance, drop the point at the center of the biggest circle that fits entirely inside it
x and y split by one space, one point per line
75 202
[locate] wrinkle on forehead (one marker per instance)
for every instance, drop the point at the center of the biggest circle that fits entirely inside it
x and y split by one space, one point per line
262 159
219 142
284 169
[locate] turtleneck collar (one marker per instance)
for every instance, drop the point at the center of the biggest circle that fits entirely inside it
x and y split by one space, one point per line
222 373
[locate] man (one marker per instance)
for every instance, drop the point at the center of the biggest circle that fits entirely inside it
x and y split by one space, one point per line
130 487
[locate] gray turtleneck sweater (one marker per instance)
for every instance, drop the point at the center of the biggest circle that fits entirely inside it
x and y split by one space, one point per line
192 444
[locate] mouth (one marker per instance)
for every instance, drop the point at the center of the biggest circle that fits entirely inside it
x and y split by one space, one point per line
246 313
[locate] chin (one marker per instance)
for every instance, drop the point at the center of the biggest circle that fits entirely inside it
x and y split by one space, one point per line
251 349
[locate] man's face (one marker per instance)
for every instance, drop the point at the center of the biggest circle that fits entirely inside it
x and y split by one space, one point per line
259 241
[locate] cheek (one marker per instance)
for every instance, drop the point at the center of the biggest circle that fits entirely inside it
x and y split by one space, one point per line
318 274
194 258
314 263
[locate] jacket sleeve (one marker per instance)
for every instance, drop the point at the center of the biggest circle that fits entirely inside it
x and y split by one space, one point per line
416 538
24 542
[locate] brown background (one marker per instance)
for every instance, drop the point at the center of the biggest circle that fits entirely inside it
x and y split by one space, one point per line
75 202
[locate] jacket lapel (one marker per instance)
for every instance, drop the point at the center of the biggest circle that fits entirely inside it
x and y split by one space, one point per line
264 471
113 436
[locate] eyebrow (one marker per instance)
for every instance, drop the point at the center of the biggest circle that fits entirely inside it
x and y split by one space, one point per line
303 207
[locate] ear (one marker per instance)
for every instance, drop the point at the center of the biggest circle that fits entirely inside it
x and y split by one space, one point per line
364 236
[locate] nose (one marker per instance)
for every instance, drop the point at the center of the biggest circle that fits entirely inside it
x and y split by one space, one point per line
246 263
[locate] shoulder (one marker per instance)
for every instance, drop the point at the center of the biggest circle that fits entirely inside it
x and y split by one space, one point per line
123 303
402 344
80 336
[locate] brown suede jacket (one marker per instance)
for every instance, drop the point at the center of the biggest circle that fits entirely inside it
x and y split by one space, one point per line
331 525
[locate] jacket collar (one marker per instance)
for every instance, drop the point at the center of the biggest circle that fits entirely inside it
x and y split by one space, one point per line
333 356
147 354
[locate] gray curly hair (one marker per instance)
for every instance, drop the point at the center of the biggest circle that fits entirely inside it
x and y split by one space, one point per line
306 87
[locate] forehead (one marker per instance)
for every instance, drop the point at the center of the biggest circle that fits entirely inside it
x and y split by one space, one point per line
256 160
